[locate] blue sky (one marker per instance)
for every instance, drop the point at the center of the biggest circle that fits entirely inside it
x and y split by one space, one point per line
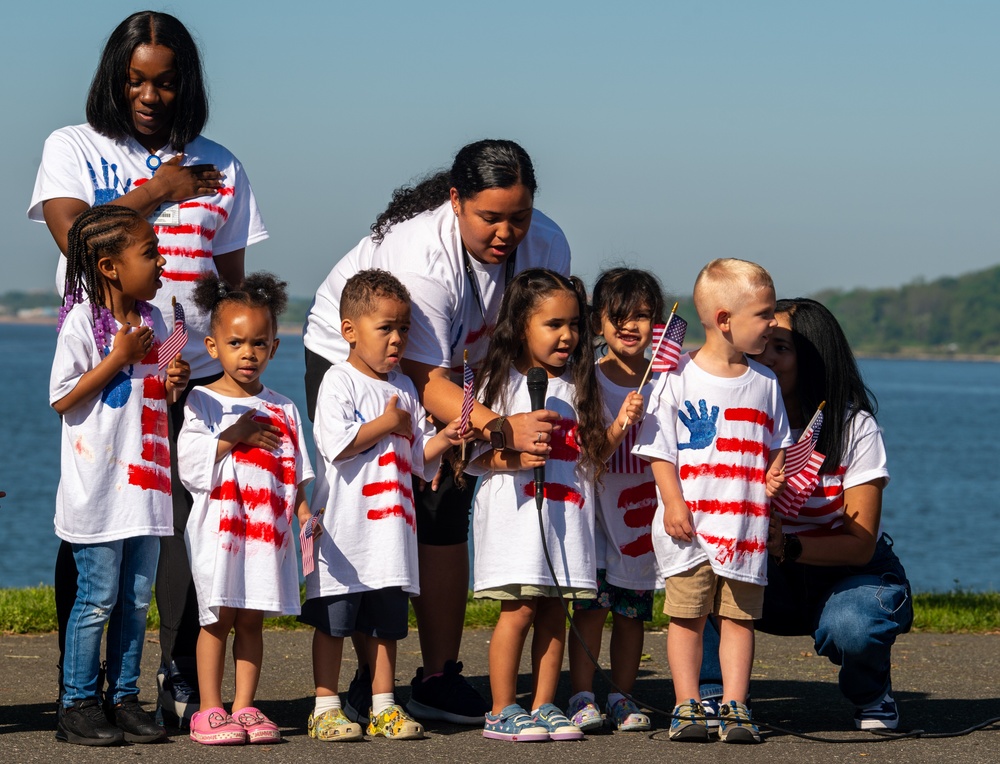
839 144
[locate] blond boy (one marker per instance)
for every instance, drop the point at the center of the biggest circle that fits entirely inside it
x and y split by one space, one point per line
715 436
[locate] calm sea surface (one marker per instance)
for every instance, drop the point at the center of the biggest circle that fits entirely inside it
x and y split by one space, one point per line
941 421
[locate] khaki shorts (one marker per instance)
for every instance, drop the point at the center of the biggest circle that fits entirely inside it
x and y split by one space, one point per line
700 591
530 592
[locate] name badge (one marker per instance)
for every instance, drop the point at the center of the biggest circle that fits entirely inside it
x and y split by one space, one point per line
166 215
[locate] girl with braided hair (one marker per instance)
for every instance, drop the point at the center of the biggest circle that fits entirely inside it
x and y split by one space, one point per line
113 500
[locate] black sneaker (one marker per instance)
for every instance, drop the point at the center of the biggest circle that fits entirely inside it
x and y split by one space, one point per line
359 696
177 698
136 724
84 723
447 698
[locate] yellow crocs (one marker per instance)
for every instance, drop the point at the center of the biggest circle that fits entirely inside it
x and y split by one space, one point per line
394 724
332 726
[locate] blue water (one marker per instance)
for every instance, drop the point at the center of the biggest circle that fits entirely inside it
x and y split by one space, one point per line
941 420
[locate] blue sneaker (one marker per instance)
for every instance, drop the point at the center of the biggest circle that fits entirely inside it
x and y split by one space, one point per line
711 709
883 715
555 722
625 716
515 725
735 725
688 724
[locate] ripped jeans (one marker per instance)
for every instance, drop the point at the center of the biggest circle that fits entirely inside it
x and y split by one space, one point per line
114 587
854 614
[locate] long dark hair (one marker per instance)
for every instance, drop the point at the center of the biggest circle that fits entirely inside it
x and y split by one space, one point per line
478 166
108 110
826 370
621 293
520 301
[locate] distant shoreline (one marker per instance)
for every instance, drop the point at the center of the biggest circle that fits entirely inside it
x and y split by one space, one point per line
287 330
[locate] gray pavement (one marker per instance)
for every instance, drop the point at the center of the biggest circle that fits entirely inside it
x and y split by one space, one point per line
943 683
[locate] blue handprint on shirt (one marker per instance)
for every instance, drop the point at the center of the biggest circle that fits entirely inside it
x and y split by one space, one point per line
114 187
701 424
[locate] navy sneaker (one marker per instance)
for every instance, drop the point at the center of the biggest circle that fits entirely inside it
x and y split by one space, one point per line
711 708
883 715
359 696
177 696
446 698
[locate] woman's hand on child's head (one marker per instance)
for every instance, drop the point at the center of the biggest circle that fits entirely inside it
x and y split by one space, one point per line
775 484
677 521
255 433
179 183
133 343
399 420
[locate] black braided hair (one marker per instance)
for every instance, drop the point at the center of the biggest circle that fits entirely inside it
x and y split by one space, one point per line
258 290
101 231
478 166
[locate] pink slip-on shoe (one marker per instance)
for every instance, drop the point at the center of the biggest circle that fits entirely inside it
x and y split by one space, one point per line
214 726
258 727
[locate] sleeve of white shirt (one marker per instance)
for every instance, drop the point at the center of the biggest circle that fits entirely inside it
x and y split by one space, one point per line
657 436
782 435
431 307
74 355
60 175
303 467
865 454
335 426
197 444
244 226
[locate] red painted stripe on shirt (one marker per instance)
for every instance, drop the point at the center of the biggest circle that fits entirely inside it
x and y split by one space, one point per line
221 212
826 509
717 507
722 472
265 532
225 491
741 446
282 467
730 547
396 460
638 547
556 492
756 416
149 478
189 252
156 451
181 275
154 422
188 229
153 388
565 447
638 505
235 526
394 511
474 335
385 486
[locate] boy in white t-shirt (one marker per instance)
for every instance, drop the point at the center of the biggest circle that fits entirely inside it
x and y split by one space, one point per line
371 435
715 436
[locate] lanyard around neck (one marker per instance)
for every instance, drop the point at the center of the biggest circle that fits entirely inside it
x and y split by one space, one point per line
474 284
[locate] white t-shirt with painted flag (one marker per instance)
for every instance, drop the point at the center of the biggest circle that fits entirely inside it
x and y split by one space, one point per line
719 433
239 534
626 502
115 458
369 538
426 254
80 163
508 545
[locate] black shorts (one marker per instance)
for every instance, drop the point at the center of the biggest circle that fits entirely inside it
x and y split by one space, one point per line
380 613
316 367
443 515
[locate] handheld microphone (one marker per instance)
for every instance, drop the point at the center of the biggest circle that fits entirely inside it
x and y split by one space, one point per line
538 382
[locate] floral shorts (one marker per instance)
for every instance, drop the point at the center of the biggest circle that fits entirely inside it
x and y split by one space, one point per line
627 602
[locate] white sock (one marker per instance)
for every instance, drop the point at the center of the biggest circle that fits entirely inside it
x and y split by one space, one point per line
585 696
326 703
614 697
381 701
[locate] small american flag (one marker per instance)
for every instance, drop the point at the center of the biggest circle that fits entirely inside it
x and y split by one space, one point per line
468 385
178 338
306 537
799 453
800 487
667 347
623 461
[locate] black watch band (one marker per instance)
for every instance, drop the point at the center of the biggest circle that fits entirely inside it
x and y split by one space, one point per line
792 550
497 438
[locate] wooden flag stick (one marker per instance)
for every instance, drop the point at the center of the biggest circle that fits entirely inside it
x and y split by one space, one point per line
812 421
649 369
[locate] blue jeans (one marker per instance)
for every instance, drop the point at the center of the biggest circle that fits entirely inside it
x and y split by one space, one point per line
114 587
854 614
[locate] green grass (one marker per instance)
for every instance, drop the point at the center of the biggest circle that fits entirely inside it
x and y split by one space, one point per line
33 611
